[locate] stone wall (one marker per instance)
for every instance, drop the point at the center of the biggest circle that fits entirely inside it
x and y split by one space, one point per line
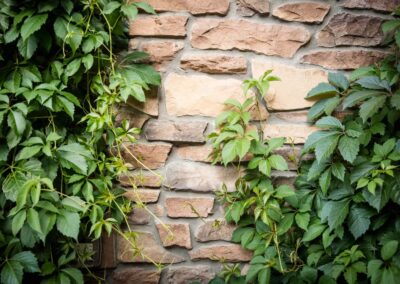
204 49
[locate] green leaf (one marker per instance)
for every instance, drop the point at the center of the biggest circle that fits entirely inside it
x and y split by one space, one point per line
28 152
329 122
338 80
87 61
18 221
145 7
359 96
349 148
111 7
336 212
73 67
371 107
322 91
12 272
32 24
325 180
264 275
66 105
350 274
338 170
34 220
361 72
27 48
302 220
253 272
373 83
359 220
28 261
325 147
129 11
395 101
389 249
229 152
278 162
74 203
75 274
374 271
284 191
68 223
313 232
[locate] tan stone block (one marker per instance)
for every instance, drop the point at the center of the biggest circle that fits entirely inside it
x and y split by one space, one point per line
220 7
378 5
150 106
159 26
268 39
142 215
214 63
248 8
308 12
141 179
134 117
189 207
145 155
135 275
349 29
228 252
294 133
290 92
195 153
189 131
201 274
175 235
199 177
215 230
343 59
207 95
149 250
142 195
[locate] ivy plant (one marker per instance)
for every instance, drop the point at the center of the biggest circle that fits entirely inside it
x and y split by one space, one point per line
64 70
340 224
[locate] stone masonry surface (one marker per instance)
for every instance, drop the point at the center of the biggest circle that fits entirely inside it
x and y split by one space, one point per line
204 49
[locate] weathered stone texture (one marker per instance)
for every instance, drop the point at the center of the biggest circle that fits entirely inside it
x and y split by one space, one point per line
294 133
228 252
207 95
349 29
200 274
195 153
194 7
189 207
289 93
159 26
145 155
161 52
268 39
343 59
214 230
149 250
248 8
199 177
135 118
214 63
136 275
141 179
142 195
175 235
150 106
308 12
175 131
378 5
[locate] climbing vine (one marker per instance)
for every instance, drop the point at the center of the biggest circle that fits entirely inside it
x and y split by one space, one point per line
340 224
64 71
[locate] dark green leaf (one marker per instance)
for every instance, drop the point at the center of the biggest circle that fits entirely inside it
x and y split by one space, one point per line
12 272
323 90
28 261
389 249
338 80
68 223
32 24
349 148
359 220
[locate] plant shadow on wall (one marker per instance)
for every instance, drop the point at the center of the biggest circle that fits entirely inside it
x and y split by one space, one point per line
62 76
341 224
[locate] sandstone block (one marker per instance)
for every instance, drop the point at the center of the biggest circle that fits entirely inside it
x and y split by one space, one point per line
195 153
248 8
200 274
214 64
289 93
207 95
214 230
136 275
159 26
220 7
378 5
175 235
349 29
199 177
175 131
141 179
294 133
343 59
307 12
134 117
149 155
228 252
189 207
268 39
141 195
149 250
141 216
